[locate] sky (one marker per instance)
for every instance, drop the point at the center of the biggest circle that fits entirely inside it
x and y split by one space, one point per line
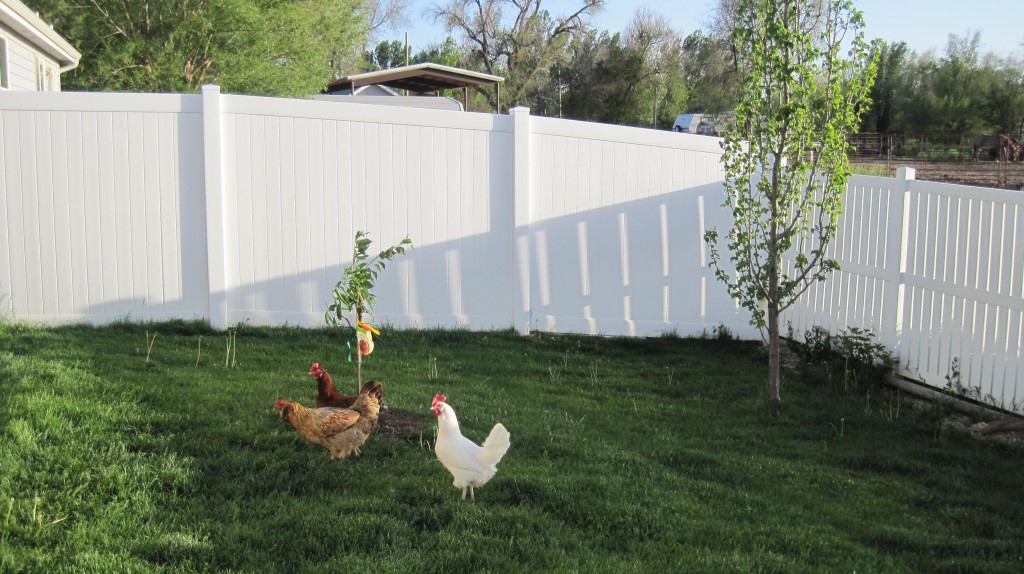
923 24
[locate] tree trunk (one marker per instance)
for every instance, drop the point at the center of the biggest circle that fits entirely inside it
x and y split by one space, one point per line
359 352
774 398
774 259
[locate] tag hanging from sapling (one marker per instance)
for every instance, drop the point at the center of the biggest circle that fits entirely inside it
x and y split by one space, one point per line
364 337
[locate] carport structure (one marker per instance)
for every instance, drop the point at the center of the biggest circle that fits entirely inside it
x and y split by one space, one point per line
423 78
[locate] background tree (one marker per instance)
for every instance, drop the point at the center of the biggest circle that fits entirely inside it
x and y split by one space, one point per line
634 78
956 81
962 92
916 107
658 83
515 39
580 85
721 25
380 16
386 55
446 53
889 82
710 72
786 169
1002 95
385 15
265 47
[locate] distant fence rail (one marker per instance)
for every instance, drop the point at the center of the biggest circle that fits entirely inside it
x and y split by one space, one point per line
921 146
979 159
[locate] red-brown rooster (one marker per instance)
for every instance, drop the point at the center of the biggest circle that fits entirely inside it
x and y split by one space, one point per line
341 431
327 396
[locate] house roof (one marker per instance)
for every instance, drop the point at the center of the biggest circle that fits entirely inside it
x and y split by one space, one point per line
367 91
426 77
22 20
420 78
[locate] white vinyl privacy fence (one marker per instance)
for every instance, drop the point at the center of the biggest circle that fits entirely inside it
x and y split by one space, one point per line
243 209
936 272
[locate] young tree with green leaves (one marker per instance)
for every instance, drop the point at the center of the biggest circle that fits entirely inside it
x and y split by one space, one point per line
786 165
353 294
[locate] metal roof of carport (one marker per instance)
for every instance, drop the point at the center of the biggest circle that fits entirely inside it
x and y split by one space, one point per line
422 78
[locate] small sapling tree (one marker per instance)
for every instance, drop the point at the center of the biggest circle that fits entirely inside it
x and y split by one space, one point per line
353 295
785 163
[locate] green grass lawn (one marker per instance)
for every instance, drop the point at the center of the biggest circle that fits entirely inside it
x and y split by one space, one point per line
653 455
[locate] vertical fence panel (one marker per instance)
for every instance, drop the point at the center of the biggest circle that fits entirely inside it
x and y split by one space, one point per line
967 311
93 195
618 243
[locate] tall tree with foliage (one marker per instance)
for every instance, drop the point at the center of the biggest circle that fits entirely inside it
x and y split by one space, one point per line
786 166
516 39
956 81
710 72
634 78
889 82
386 55
445 53
265 47
1002 83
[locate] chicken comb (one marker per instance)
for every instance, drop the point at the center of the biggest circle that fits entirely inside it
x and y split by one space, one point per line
438 399
314 368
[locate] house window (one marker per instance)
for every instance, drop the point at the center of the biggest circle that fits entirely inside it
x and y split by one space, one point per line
5 81
44 76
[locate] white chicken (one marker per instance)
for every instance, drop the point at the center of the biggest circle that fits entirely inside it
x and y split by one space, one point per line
470 465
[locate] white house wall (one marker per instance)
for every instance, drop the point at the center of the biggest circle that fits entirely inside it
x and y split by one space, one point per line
22 61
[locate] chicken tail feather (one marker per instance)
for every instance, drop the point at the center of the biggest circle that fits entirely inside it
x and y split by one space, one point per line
496 445
375 388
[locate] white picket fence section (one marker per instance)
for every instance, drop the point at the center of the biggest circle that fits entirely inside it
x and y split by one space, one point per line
936 272
243 209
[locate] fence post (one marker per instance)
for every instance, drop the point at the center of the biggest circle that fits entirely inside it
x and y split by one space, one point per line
900 216
212 157
522 312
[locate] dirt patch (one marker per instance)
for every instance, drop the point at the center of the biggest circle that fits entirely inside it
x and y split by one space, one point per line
402 425
1002 175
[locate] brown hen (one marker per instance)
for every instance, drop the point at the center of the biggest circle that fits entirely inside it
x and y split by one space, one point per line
327 396
341 431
